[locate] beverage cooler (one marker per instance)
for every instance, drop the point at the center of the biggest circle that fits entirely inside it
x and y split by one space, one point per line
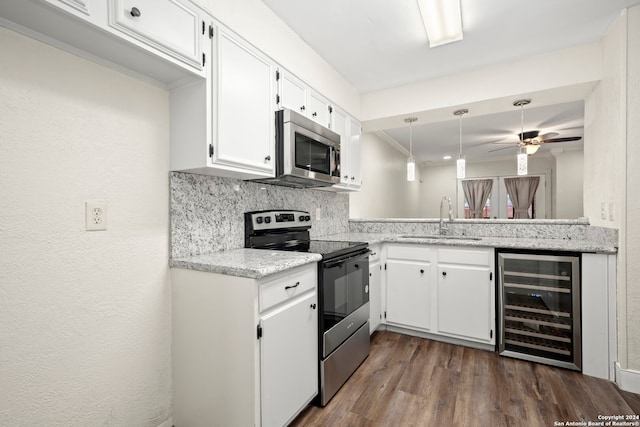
539 308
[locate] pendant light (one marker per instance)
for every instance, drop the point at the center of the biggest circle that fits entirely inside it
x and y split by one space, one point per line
460 163
522 154
411 162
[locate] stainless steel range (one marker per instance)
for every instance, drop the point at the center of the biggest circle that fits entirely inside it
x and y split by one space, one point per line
343 291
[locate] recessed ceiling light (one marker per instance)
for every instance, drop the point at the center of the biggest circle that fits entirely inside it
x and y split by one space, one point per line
447 157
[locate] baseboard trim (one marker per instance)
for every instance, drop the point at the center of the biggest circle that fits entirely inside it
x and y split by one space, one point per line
627 379
167 423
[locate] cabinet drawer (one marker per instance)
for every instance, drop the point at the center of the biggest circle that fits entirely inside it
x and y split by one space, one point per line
280 290
464 256
409 252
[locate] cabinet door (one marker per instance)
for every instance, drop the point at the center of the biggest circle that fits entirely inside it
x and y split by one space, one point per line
465 302
318 109
168 25
293 93
409 293
375 293
288 359
339 124
245 108
355 153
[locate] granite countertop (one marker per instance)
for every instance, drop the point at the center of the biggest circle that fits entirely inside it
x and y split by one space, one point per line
259 263
249 263
494 242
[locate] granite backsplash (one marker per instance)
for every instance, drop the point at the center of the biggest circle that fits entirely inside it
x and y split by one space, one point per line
207 213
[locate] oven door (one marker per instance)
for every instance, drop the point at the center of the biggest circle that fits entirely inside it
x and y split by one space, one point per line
344 295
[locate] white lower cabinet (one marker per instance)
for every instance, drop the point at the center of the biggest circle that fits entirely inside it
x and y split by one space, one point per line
445 291
375 288
244 351
408 286
466 297
289 375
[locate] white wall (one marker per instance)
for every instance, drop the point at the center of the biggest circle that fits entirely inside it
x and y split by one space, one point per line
385 193
571 67
85 330
632 200
605 178
568 197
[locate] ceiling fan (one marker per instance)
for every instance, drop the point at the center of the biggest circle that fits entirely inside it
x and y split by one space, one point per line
532 140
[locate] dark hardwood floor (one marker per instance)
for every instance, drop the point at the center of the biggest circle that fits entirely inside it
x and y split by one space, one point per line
410 381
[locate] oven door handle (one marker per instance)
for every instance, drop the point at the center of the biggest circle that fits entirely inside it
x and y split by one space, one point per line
334 262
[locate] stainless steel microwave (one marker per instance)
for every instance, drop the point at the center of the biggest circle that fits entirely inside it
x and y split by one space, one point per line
307 153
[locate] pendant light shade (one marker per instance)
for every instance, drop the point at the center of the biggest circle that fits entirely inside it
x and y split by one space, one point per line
411 161
460 163
522 161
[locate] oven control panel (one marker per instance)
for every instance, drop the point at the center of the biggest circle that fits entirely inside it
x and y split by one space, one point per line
273 220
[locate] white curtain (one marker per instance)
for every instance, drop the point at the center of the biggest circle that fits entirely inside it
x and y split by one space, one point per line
477 192
522 191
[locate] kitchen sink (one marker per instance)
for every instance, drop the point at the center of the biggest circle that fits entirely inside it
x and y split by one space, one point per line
438 236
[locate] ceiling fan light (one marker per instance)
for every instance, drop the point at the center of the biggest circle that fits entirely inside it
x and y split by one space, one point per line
442 19
532 148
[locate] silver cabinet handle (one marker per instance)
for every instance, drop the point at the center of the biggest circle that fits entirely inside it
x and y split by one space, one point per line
268 158
313 306
135 12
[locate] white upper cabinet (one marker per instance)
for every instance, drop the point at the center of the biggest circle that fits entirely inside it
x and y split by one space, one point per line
292 93
296 95
170 26
340 125
319 109
225 125
355 154
157 39
245 134
350 150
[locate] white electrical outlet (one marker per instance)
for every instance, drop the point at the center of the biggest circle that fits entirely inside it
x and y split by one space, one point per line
603 210
95 215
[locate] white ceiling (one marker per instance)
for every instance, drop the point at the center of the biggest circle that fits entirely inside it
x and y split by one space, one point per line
379 44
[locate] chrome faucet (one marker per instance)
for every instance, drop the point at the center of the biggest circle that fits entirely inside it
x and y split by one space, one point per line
443 226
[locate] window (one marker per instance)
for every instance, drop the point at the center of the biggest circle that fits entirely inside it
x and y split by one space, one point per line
486 211
532 210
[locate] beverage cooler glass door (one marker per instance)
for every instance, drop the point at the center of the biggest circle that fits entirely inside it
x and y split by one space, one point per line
540 308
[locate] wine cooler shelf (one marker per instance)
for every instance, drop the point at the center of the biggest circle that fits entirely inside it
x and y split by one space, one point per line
539 308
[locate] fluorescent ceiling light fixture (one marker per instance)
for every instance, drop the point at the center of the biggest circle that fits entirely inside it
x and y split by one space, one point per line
442 20
447 157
